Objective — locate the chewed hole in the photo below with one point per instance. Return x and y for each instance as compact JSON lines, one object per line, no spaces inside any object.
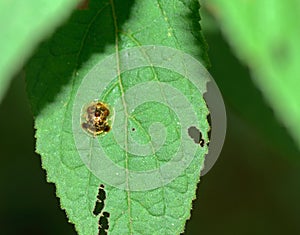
{"x":103,"y":223}
{"x":133,"y":129}
{"x":98,"y":208}
{"x":208,"y":117}
{"x":196,"y":135}
{"x":100,"y":201}
{"x":106,"y":214}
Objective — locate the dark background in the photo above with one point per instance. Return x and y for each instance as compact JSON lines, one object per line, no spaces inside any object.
{"x":253,"y":188}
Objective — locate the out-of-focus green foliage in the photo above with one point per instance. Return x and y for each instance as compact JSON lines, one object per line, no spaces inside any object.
{"x":23,"y":24}
{"x":265,"y":35}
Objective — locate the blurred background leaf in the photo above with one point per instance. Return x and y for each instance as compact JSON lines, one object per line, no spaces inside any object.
{"x":240,"y":92}
{"x":265,"y":35}
{"x":23,"y":24}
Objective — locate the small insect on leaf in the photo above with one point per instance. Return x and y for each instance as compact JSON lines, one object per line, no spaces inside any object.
{"x":95,"y":118}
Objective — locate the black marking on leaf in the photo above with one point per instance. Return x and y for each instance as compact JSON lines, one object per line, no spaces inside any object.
{"x":196,"y":135}
{"x":133,"y":129}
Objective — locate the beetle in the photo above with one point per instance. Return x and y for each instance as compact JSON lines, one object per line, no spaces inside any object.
{"x":95,"y":118}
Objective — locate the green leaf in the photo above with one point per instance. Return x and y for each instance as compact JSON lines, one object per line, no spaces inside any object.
{"x":23,"y":24}
{"x":265,"y":35}
{"x":54,"y":76}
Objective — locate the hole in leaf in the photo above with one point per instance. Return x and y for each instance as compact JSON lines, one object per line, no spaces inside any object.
{"x":106,"y":214}
{"x":196,"y":135}
{"x":101,"y":194}
{"x":103,"y":223}
{"x":98,"y":210}
{"x":100,"y":201}
{"x":208,"y":117}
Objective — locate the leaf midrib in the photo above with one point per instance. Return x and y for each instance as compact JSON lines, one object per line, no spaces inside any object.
{"x":125,"y":110}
